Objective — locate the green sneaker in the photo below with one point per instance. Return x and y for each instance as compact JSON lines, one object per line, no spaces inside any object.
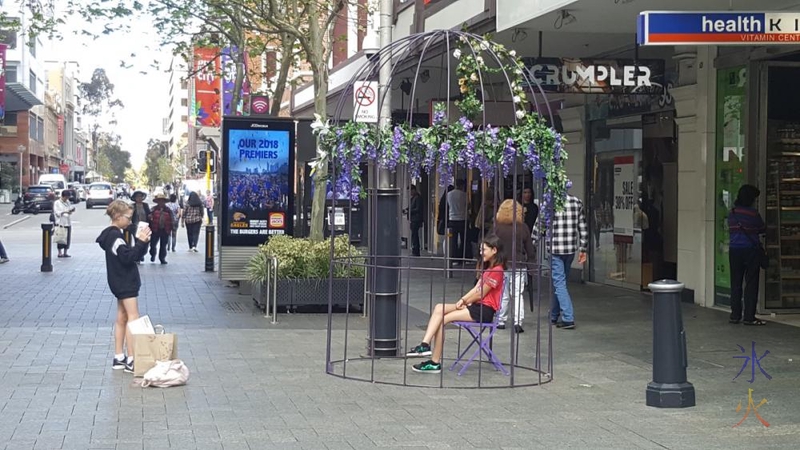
{"x":422,"y":349}
{"x":427,"y":367}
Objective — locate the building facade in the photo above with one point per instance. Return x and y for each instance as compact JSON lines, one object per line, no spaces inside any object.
{"x":709,"y":119}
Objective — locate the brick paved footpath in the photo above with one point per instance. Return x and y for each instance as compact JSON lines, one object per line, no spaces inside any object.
{"x":259,"y":386}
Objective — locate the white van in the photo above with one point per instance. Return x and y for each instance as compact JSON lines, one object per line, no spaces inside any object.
{"x":58,"y":181}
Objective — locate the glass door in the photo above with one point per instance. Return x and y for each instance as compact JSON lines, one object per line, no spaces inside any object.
{"x":615,"y":216}
{"x":780,"y":118}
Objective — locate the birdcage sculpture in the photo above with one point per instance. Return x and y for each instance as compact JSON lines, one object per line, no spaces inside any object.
{"x":479,"y":82}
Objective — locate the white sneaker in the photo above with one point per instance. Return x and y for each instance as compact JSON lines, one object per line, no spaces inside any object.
{"x":4,"y":260}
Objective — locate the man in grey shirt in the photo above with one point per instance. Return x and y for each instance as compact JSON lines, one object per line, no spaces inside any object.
{"x":458,"y":207}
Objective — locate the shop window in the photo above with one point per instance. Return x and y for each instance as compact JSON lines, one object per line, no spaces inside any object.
{"x":11,"y":74}
{"x":40,"y":129}
{"x":730,"y":167}
{"x":32,"y":81}
{"x":10,"y":120}
{"x":32,"y":125}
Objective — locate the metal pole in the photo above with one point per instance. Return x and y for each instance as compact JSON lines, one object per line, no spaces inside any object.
{"x":274,"y":290}
{"x":47,"y":247}
{"x":209,"y":248}
{"x":385,"y":341}
{"x":669,"y":388}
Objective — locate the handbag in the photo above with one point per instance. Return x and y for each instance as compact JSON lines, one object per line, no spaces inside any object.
{"x":763,"y":257}
{"x":60,"y":235}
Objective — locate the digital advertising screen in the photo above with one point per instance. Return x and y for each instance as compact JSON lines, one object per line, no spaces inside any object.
{"x":258,"y":168}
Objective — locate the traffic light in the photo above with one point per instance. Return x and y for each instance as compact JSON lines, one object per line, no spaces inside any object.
{"x":201,"y":161}
{"x":212,"y":159}
{"x":207,"y":159}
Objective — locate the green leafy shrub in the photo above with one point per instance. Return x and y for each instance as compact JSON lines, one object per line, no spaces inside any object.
{"x":300,"y":258}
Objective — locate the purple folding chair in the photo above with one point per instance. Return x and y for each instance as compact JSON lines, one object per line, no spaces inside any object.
{"x":476,"y":330}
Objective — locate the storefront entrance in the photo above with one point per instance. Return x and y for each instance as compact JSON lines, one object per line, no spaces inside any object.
{"x":633,"y":200}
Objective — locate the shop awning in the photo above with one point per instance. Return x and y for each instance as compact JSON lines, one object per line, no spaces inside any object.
{"x":92,"y":174}
{"x":19,"y":98}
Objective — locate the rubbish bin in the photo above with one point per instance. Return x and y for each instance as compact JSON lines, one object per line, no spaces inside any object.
{"x":5,"y":196}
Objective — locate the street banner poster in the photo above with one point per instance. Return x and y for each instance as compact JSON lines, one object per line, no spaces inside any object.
{"x":718,"y":28}
{"x":229,"y":84}
{"x":207,"y":86}
{"x":625,"y":197}
{"x":3,"y":48}
{"x":258,"y":170}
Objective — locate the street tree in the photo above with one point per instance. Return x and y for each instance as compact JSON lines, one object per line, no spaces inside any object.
{"x":97,"y":101}
{"x":308,"y":24}
{"x":152,"y":161}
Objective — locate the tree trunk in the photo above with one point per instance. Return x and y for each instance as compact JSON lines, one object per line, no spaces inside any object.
{"x":287,"y":60}
{"x":320,"y":72}
{"x":239,"y":60}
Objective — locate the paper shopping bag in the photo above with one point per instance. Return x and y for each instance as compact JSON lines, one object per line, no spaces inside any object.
{"x":142,"y":325}
{"x":149,"y":348}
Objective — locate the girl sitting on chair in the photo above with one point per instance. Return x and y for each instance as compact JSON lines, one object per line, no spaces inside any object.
{"x":478,"y":305}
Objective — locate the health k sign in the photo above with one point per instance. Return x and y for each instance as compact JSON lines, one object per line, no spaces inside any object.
{"x":717,"y":28}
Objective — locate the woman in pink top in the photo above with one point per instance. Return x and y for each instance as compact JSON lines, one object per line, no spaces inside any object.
{"x":478,"y":305}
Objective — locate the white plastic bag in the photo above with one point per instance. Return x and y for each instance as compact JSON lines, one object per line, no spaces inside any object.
{"x":142,"y":325}
{"x":167,"y":374}
{"x":60,"y":235}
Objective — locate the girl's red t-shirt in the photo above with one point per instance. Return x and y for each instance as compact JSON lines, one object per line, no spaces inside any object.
{"x":494,"y":279}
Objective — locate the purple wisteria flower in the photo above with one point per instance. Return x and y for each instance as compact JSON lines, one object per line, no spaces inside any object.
{"x":392,"y":157}
{"x":485,"y":167}
{"x":557,"y":147}
{"x":372,"y":152}
{"x":509,"y":152}
{"x":438,"y":117}
{"x":430,"y":158}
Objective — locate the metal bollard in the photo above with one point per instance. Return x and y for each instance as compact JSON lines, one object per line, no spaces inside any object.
{"x":47,"y":247}
{"x":209,"y":248}
{"x":669,"y":388}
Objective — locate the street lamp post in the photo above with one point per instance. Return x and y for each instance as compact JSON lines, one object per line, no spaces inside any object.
{"x":21,"y":149}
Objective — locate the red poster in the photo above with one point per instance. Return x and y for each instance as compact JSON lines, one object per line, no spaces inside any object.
{"x":2,"y":80}
{"x":207,"y":87}
{"x":60,"y":129}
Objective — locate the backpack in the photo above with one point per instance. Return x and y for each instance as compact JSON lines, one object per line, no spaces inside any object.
{"x":166,"y":374}
{"x":160,"y":220}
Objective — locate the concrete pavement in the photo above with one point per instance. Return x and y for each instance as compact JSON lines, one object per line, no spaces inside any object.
{"x":260,"y":386}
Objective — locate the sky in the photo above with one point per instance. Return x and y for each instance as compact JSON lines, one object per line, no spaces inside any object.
{"x":143,"y":94}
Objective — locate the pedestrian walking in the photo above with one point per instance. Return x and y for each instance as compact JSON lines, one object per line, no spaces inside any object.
{"x":458,"y":208}
{"x":123,"y":276}
{"x":177,"y":212}
{"x":531,"y":214}
{"x":415,"y":219}
{"x":744,"y":254}
{"x":3,"y":255}
{"x":208,"y":202}
{"x":515,"y":235}
{"x":567,"y":235}
{"x":161,"y":220}
{"x":62,"y":212}
{"x":193,"y":220}
{"x":141,"y":211}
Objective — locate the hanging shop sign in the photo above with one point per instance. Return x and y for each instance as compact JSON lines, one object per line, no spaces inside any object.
{"x":717,"y":28}
{"x":625,"y":195}
{"x":258,"y":170}
{"x":595,"y":76}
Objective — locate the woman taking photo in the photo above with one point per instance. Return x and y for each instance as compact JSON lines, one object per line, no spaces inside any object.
{"x":745,"y":252}
{"x":193,"y":219}
{"x":478,"y":305}
{"x":62,"y":211}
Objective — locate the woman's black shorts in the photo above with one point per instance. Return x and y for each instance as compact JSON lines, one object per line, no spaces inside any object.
{"x":481,"y":313}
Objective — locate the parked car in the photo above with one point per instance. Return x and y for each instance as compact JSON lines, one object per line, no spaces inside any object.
{"x":100,"y":194}
{"x":43,"y":195}
{"x":80,"y":195}
{"x":59,"y":184}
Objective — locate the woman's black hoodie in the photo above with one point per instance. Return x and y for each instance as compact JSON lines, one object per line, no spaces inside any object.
{"x":121,"y":259}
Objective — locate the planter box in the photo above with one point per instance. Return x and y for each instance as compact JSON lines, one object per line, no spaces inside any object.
{"x":293,"y":293}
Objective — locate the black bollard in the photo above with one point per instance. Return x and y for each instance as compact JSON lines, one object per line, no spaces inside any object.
{"x":126,"y":234}
{"x":669,"y":388}
{"x":47,"y":247}
{"x":209,"y":248}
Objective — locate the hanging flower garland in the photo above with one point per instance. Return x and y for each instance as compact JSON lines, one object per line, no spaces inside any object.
{"x":448,"y":143}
